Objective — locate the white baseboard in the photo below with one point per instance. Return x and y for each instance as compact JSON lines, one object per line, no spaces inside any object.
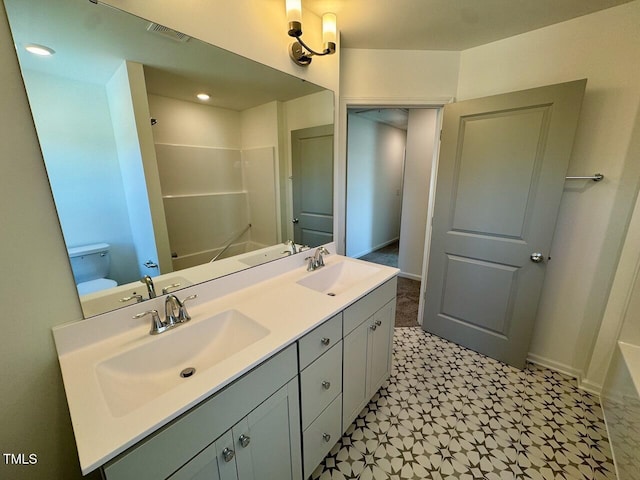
{"x":555,"y":366}
{"x":589,"y":386}
{"x":374,"y":248}
{"x":410,"y":276}
{"x":585,"y":385}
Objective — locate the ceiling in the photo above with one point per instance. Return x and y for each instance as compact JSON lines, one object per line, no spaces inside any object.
{"x":91,"y":42}
{"x":445,"y":24}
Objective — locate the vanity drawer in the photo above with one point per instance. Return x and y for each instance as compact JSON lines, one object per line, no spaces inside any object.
{"x":320,"y":340}
{"x":321,"y":436}
{"x":358,"y":312}
{"x":320,"y":383}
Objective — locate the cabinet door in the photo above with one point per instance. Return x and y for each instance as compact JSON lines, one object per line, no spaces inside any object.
{"x":354,"y":371}
{"x":381,"y":345}
{"x":267,"y":441}
{"x":216,"y":462}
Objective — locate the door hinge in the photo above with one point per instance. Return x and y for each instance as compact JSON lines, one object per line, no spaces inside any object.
{"x":440,"y":134}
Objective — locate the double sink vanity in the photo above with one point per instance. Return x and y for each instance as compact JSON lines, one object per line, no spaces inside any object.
{"x":274,"y":365}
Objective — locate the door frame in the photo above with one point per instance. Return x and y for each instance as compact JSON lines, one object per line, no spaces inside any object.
{"x":340,"y":184}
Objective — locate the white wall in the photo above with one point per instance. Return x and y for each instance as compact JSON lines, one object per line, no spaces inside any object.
{"x":602,"y":47}
{"x":421,"y":138}
{"x":376,"y":157}
{"x":189,"y":123}
{"x":406,"y":74}
{"x":77,"y":138}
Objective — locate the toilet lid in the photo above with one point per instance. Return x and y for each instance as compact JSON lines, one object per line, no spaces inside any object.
{"x":96,"y":285}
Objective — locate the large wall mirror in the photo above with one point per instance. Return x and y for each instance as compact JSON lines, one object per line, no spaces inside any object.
{"x":150,"y":180}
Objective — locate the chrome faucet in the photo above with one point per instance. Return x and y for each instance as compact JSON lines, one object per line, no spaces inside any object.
{"x":157,"y":325}
{"x":175,"y":312}
{"x":291,"y":247}
{"x":151,"y":290}
{"x":317,"y":260}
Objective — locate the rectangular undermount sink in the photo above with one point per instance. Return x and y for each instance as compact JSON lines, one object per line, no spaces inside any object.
{"x":335,"y":279}
{"x":138,"y":376}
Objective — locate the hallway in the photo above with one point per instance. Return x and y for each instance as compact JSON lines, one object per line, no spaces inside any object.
{"x":408,"y":289}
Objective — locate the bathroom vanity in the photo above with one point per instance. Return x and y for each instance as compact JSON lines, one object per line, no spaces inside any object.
{"x":284,"y":360}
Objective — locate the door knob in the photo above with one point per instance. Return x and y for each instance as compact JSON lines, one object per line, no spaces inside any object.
{"x":537,"y":257}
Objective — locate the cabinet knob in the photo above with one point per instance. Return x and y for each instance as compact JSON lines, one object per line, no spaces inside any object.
{"x":326,"y":437}
{"x":228,"y":454}
{"x":325,"y":341}
{"x":326,"y":385}
{"x":373,"y":327}
{"x":378,"y":322}
{"x":244,"y":440}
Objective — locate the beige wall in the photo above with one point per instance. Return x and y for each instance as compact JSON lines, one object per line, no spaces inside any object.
{"x":36,"y":289}
{"x":602,"y":47}
{"x":421,"y":143}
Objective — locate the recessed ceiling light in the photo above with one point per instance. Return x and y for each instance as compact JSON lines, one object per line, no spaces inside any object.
{"x":39,"y":50}
{"x":203,"y":96}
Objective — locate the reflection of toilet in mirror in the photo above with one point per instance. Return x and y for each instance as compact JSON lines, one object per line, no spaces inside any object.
{"x":90,"y":265}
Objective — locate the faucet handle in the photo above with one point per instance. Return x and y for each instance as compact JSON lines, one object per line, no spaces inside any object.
{"x":311,"y":265}
{"x":183,"y":315}
{"x":157,"y":325}
{"x":138,"y":298}
{"x":166,"y":289}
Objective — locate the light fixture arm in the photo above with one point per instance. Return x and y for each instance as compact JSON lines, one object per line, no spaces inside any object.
{"x":300,"y":52}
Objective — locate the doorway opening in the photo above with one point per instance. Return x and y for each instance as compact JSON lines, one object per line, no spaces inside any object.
{"x":390,"y":158}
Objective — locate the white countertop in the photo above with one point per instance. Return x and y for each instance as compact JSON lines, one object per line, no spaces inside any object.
{"x":267,"y":294}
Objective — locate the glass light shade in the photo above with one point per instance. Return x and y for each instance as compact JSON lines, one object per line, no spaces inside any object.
{"x":329,"y":28}
{"x":294,"y":10}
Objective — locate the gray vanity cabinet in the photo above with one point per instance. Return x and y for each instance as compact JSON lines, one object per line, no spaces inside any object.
{"x":256,"y":448}
{"x":209,"y":464}
{"x":368,"y":343}
{"x":249,"y":430}
{"x":320,"y":360}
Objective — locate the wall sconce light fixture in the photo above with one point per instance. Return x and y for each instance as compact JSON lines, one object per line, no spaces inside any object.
{"x":299,"y":51}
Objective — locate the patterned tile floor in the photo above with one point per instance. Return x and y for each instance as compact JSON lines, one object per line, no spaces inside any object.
{"x":450,"y":413}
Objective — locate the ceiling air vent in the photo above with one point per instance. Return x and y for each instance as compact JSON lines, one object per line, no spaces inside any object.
{"x":168,"y":32}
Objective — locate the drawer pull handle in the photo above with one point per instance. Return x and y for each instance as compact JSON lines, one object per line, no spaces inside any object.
{"x":325,"y":341}
{"x":378,"y":322}
{"x":244,"y":440}
{"x":373,"y":327}
{"x":326,"y":385}
{"x":326,"y":437}
{"x":228,"y":454}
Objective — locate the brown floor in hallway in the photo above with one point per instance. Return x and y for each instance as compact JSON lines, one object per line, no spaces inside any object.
{"x":408,"y":290}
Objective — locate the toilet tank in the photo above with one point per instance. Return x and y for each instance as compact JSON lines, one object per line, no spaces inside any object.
{"x":89,"y":262}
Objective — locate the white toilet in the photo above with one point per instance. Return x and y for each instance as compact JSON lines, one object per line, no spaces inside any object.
{"x":90,"y":265}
